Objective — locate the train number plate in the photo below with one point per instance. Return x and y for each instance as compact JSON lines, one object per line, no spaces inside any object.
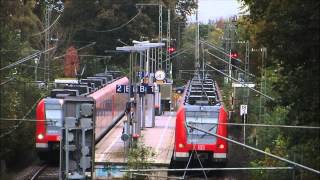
{"x":201,"y":147}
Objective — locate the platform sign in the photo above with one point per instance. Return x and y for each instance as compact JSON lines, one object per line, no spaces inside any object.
{"x":151,"y":89}
{"x":243,"y":109}
{"x":141,"y":89}
{"x":124,"y":89}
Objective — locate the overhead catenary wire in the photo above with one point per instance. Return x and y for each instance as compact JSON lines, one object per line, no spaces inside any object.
{"x":27,"y":58}
{"x":47,"y":29}
{"x":7,"y":81}
{"x":15,"y":127}
{"x":243,"y":83}
{"x":269,"y":125}
{"x":220,"y":50}
{"x":230,"y":64}
{"x":79,"y":49}
{"x":207,"y":169}
{"x":116,"y":28}
{"x":228,"y":124}
{"x":25,"y":120}
{"x":155,"y":176}
{"x":258,"y":150}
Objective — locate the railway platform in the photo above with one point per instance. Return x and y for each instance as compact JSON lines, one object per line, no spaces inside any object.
{"x":110,"y":154}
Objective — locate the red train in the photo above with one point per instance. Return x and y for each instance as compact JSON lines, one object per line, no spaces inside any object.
{"x":200,"y":107}
{"x":110,"y":108}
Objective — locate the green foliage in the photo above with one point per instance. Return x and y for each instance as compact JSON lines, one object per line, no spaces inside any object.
{"x":290,"y":31}
{"x":280,"y":149}
{"x":140,"y":156}
{"x":17,"y":93}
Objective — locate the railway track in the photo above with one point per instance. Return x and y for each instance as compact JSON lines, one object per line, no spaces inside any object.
{"x":39,"y":172}
{"x":46,"y":172}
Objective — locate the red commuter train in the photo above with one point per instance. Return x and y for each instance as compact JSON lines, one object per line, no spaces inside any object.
{"x":201,"y":107}
{"x":110,"y":108}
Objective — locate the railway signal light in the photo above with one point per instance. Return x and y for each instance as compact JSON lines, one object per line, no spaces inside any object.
{"x":234,"y":55}
{"x":171,"y":50}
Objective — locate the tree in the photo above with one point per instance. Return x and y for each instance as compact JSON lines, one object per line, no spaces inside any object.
{"x":290,"y":31}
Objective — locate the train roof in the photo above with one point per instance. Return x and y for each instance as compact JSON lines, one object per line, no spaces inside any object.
{"x":201,"y":92}
{"x":82,"y":87}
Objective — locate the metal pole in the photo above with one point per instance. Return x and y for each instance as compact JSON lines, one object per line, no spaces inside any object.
{"x":229,"y":65}
{"x":167,"y":63}
{"x":160,"y":35}
{"x":197,"y":39}
{"x":244,"y":128}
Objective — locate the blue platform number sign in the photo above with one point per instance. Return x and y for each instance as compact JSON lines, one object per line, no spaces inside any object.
{"x":141,"y":89}
{"x":150,"y":89}
{"x":122,"y":89}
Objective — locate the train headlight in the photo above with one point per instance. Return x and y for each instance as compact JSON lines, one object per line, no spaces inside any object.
{"x":221,"y":146}
{"x":181,"y":145}
{"x":61,"y":102}
{"x":40,"y":136}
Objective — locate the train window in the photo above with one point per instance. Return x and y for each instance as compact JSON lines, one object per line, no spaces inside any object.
{"x":206,"y":120}
{"x":54,"y":115}
{"x":202,"y":114}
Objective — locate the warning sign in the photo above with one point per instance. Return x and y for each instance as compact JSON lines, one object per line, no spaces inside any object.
{"x":243,"y":109}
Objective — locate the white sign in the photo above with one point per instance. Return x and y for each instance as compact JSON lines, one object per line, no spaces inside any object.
{"x":238,"y":85}
{"x":243,"y":109}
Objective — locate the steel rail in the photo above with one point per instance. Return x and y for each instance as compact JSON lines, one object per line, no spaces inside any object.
{"x":36,"y":175}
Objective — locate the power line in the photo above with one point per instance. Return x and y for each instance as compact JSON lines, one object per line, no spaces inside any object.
{"x":25,"y":120}
{"x":257,"y":150}
{"x":230,"y":64}
{"x":15,"y":127}
{"x":9,"y":80}
{"x":244,"y":84}
{"x":222,"y":51}
{"x":37,"y":54}
{"x":55,"y":21}
{"x":209,"y":169}
{"x":116,"y":28}
{"x":269,"y":125}
{"x":155,"y":176}
{"x":79,"y":49}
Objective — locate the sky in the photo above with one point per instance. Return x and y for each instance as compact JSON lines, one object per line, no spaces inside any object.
{"x":215,"y":9}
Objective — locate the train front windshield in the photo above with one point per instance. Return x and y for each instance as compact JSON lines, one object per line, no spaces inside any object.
{"x":206,"y":120}
{"x":54,"y":118}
